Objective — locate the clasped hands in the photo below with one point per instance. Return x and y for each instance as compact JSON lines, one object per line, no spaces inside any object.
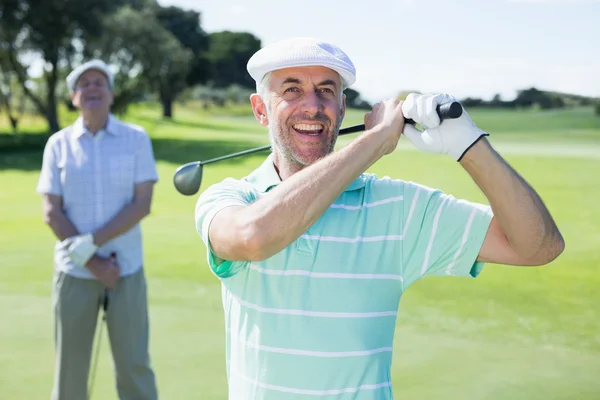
{"x":82,"y":251}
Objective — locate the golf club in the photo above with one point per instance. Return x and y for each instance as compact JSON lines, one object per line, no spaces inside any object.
{"x":188,"y":177}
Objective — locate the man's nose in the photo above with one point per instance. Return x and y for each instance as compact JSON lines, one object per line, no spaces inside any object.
{"x":311,"y":103}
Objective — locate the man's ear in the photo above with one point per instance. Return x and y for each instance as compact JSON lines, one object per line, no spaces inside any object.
{"x":74,"y":100}
{"x":343,"y":107}
{"x":260,"y":109}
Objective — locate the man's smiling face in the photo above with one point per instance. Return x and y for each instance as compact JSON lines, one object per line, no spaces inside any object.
{"x":305,"y":110}
{"x":93,"y":92}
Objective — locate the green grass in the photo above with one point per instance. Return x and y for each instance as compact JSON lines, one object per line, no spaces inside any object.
{"x":513,"y":333}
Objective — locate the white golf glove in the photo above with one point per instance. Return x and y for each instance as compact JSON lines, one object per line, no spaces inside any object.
{"x":80,"y":248}
{"x":453,"y":137}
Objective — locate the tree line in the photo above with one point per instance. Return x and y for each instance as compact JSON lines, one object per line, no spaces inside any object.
{"x":156,"y":52}
{"x":532,"y":97}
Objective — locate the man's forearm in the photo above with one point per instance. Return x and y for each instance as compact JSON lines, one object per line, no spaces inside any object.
{"x":524,"y":219}
{"x":127,"y":218}
{"x":60,"y":224}
{"x":286,"y":212}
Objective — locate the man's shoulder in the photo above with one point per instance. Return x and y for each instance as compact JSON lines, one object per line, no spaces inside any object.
{"x":377,"y":182}
{"x":232,"y":185}
{"x":128,"y":127}
{"x":250,"y":182}
{"x":59,"y":136}
{"x":385,"y":187}
{"x":373,"y":181}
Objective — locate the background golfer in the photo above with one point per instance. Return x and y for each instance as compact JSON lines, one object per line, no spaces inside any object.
{"x":97,"y":181}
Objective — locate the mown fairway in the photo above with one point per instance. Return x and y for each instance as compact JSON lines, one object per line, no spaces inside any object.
{"x":513,"y":333}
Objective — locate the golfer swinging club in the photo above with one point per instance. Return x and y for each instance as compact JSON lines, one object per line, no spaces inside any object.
{"x":314,"y":254}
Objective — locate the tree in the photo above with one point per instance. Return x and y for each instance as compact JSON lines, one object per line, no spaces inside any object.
{"x":470,"y":102}
{"x":185,"y":26}
{"x":12,"y":101}
{"x":51,"y":30}
{"x":228,"y":55}
{"x":147,"y":56}
{"x":351,"y":96}
{"x":353,"y":100}
{"x":496,"y":101}
{"x":533,"y":96}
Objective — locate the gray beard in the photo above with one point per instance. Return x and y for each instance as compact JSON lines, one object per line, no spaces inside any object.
{"x":286,"y":151}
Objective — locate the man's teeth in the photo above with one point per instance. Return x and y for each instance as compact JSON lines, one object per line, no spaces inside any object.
{"x":309,"y":129}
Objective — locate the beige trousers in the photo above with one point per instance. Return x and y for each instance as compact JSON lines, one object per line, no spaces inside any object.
{"x":76,"y":305}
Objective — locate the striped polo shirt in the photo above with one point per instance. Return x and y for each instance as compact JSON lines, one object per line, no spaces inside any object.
{"x":317,"y":319}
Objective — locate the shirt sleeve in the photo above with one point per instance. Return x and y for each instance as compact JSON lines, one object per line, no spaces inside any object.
{"x":49,"y":180}
{"x":228,"y":193}
{"x":443,"y":235}
{"x":145,"y":164}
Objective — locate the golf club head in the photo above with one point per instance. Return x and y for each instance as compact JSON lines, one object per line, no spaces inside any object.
{"x":188,"y":177}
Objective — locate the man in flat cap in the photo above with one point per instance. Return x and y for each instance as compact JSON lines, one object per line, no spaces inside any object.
{"x":97,"y":181}
{"x":314,"y":254}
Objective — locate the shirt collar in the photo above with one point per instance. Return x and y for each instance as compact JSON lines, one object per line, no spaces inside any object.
{"x":266,"y":177}
{"x":79,"y":128}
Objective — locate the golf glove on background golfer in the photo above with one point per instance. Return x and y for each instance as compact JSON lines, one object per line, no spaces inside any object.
{"x":80,"y":248}
{"x":453,"y":137}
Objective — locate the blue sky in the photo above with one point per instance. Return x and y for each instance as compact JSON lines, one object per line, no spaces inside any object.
{"x":464,"y":47}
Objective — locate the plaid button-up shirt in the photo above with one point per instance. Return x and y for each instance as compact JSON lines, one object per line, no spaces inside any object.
{"x":96,"y":176}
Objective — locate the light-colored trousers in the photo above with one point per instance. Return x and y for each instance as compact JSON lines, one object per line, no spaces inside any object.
{"x":76,"y":305}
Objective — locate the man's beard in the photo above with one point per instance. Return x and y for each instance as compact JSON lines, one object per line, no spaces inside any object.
{"x":281,"y":139}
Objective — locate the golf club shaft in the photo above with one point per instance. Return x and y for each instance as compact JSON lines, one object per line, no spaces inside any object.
{"x":92,"y":376}
{"x":105,"y":302}
{"x":445,"y":111}
{"x":343,"y":131}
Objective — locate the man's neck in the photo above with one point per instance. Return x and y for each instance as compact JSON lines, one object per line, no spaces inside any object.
{"x":93,"y":122}
{"x":284,"y":168}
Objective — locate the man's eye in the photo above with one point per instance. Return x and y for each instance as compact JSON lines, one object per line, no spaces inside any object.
{"x":292,"y":89}
{"x":326,"y":90}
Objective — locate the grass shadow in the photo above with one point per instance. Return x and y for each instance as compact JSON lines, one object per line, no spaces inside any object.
{"x":181,"y":151}
{"x":175,"y":151}
{"x":22,"y":151}
{"x":25,"y":151}
{"x":25,"y":160}
{"x":205,"y":125}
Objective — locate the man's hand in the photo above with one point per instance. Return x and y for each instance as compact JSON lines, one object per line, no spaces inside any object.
{"x":388,"y":116}
{"x":80,"y":248}
{"x":105,"y":270}
{"x":453,"y":137}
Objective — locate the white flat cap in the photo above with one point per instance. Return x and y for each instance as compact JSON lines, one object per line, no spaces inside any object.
{"x":301,"y":52}
{"x":98,"y":65}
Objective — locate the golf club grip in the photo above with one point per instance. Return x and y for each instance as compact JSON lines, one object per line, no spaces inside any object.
{"x":445,"y":111}
{"x":113,"y":257}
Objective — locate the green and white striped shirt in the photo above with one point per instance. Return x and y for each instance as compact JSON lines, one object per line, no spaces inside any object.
{"x":317,"y":319}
